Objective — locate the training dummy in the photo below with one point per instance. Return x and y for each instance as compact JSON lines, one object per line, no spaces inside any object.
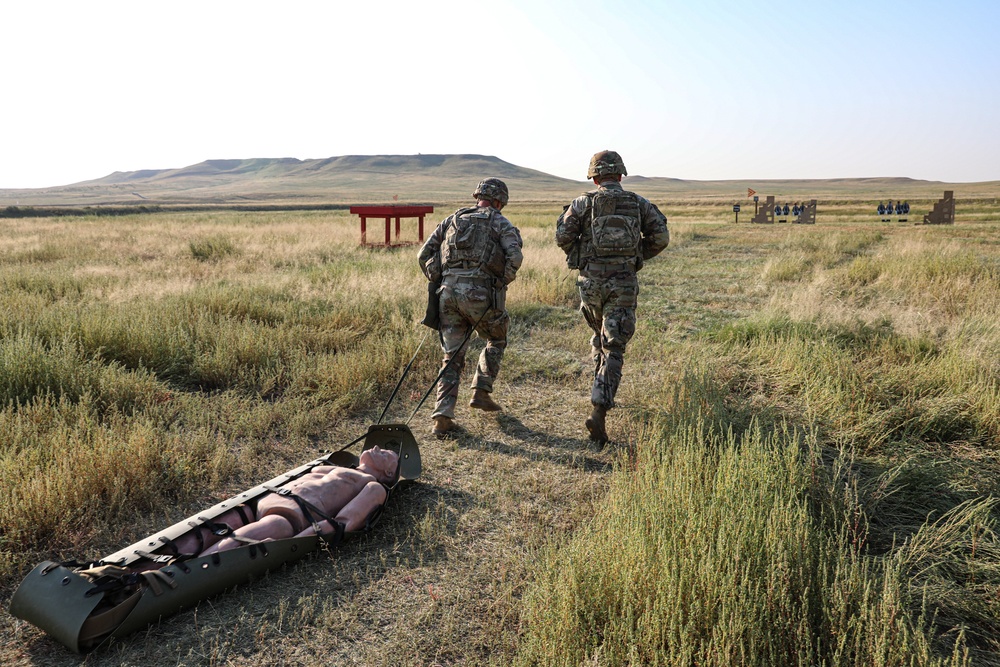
{"x":346,"y":495}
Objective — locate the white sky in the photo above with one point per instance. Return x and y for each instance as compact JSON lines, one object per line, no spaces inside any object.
{"x":693,"y":89}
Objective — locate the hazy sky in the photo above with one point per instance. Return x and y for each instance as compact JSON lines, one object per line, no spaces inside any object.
{"x":693,"y":89}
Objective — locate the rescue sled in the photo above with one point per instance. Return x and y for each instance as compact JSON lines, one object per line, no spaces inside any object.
{"x":82,"y":605}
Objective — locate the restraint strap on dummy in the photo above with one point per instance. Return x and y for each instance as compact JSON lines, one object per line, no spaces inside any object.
{"x":175,"y":555}
{"x":249,"y":541}
{"x":310,"y":512}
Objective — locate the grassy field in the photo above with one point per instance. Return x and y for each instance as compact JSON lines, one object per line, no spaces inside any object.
{"x":804,"y":467}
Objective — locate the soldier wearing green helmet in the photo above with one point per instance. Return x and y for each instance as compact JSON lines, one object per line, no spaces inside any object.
{"x":474,"y":254}
{"x":607,"y":235}
{"x":606,"y":163}
{"x":490,"y":189}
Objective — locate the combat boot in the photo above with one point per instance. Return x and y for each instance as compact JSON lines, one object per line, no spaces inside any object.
{"x":443,"y":426}
{"x":482,"y":401}
{"x":595,"y":424}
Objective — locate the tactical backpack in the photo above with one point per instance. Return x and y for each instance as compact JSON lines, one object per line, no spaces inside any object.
{"x":614,"y":223}
{"x":472,"y":240}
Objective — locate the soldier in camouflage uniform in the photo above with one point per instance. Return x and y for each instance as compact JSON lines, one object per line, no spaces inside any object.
{"x":607,"y":234}
{"x":475,"y":253}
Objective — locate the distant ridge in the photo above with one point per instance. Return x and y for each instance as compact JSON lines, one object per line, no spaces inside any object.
{"x":425,"y":178}
{"x":280,"y":168}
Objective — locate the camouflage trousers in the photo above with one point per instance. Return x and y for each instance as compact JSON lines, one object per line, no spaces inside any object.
{"x":462,"y":306}
{"x":608,"y":299}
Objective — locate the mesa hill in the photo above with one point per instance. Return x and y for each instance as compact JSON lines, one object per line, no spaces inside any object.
{"x":434,"y":179}
{"x":347,"y":179}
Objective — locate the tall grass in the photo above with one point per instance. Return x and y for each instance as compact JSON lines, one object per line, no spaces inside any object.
{"x":77,"y":476}
{"x":718,"y":550}
{"x":802,"y":252}
{"x":869,"y":385}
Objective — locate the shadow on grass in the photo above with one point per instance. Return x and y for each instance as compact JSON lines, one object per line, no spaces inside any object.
{"x":571,"y":452}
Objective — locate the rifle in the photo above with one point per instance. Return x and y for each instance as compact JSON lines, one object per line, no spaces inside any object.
{"x":432,"y":315}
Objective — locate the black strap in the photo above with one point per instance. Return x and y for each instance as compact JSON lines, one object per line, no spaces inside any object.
{"x":156,"y":558}
{"x":243,"y":509}
{"x":374,"y":515}
{"x":219,"y":529}
{"x":172,"y":546}
{"x":336,"y":537}
{"x":402,"y":377}
{"x":308,"y":509}
{"x":352,"y":442}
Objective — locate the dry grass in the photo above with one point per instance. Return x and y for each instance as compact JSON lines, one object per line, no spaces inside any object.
{"x":213,"y":370}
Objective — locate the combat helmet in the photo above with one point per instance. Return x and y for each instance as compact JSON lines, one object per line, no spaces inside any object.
{"x":606,"y":163}
{"x":492,"y":188}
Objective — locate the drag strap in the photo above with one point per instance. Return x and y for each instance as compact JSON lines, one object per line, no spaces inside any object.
{"x":444,"y":369}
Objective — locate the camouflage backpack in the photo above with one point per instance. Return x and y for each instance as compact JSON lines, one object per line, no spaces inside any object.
{"x":614,"y":224}
{"x":472,"y":240}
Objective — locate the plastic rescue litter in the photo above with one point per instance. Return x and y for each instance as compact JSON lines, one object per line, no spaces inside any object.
{"x":82,"y":605}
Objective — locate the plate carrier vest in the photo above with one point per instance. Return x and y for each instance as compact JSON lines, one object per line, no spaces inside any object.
{"x":615,"y":230}
{"x":472,"y":241}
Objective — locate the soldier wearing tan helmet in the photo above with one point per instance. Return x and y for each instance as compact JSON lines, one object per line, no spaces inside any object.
{"x":474,"y":253}
{"x":607,"y":234}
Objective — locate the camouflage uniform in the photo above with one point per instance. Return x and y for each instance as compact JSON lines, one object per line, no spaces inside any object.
{"x":471,"y":292}
{"x":608,"y":284}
